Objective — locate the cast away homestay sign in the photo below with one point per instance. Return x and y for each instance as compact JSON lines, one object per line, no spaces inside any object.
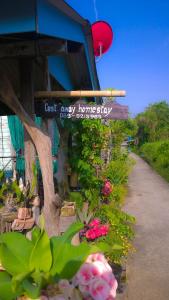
{"x":110,"y":110}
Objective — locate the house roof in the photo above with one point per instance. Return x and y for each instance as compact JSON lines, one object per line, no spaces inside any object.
{"x":69,"y":11}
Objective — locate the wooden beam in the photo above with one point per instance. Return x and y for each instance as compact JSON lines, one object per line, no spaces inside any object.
{"x":79,"y":94}
{"x":39,"y":47}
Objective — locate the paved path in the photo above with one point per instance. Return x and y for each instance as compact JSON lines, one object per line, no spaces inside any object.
{"x":148,"y":268}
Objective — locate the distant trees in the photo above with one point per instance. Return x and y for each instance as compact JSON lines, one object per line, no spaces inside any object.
{"x":153,"y":123}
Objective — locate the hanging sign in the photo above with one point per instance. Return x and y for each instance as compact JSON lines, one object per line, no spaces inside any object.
{"x":110,"y":110}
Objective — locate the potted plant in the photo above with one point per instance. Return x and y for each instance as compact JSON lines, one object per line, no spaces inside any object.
{"x":43,"y":267}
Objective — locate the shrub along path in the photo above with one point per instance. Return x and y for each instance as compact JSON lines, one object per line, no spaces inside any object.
{"x":148,"y":268}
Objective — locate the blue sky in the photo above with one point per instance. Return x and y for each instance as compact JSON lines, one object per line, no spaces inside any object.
{"x":138,"y":60}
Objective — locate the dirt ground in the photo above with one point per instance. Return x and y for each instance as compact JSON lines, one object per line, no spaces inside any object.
{"x":148,"y":268}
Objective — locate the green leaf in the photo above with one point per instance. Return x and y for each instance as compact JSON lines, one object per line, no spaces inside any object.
{"x":117,"y":247}
{"x":32,"y":290}
{"x":58,"y":243}
{"x":36,"y":232}
{"x":6,"y":292}
{"x":41,"y":256}
{"x":17,"y":281}
{"x":15,"y":251}
{"x":67,"y":258}
{"x":16,"y":189}
{"x":71,"y":231}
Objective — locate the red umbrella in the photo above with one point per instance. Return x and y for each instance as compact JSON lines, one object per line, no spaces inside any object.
{"x":102,"y":37}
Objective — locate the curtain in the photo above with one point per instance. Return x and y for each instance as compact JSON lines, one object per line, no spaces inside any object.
{"x":17,"y":138}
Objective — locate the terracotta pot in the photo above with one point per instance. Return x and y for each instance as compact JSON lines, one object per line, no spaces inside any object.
{"x":24,"y":213}
{"x":68,"y":209}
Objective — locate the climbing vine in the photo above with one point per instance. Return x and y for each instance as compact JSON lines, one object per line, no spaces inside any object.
{"x":103,"y":169}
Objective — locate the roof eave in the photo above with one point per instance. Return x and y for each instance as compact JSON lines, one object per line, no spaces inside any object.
{"x":69,"y":11}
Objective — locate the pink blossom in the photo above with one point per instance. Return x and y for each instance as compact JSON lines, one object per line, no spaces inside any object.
{"x":104,"y":229}
{"x":100,"y":268}
{"x":94,"y":222}
{"x":99,"y":289}
{"x":84,"y":289}
{"x":107,"y":188}
{"x":64,"y":284}
{"x":113,"y":284}
{"x":96,"y":279}
{"x":90,"y":234}
{"x":110,"y":298}
{"x":110,"y":278}
{"x":96,"y":256}
{"x":84,"y":275}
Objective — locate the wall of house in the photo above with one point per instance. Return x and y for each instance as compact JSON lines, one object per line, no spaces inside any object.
{"x":6,"y":149}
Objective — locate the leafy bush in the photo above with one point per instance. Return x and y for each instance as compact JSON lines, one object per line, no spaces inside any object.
{"x":157,"y":154}
{"x":153,"y":123}
{"x":120,"y":232}
{"x":90,"y":138}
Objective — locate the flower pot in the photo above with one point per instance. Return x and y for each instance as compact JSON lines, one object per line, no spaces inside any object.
{"x":68,"y":209}
{"x":24,"y":213}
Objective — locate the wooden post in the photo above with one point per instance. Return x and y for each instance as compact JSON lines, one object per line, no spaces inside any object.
{"x":27,"y":100}
{"x":61,"y":175}
{"x":43,"y":146}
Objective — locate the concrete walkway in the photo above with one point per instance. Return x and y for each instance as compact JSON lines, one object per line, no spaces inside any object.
{"x":148,"y":268}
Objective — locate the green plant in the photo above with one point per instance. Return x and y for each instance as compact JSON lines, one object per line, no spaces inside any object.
{"x":157,"y":155}
{"x":10,"y":190}
{"x":90,"y":138}
{"x":120,"y":233}
{"x":31,"y":265}
{"x":84,"y":215}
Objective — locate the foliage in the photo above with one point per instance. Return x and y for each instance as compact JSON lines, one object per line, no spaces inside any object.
{"x":120,"y":231}
{"x":31,"y":265}
{"x":11,"y":190}
{"x":153,"y":123}
{"x":157,"y":154}
{"x":90,"y":138}
{"x":84,"y":215}
{"x":153,"y":136}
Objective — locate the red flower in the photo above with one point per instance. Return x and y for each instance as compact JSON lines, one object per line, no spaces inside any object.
{"x":107,"y":188}
{"x":94,"y":222}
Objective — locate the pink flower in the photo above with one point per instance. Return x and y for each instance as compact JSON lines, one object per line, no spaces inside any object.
{"x":107,"y":188}
{"x":94,"y":222}
{"x":84,"y":275}
{"x":110,"y":298}
{"x":104,"y":229}
{"x":84,"y":289}
{"x":100,"y":268}
{"x":90,"y":234}
{"x":96,"y":256}
{"x":99,"y":289}
{"x":96,"y":279}
{"x":113,"y":284}
{"x":64,"y":284}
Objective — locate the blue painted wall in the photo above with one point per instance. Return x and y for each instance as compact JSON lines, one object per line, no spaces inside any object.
{"x":17,"y":16}
{"x":58,"y":68}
